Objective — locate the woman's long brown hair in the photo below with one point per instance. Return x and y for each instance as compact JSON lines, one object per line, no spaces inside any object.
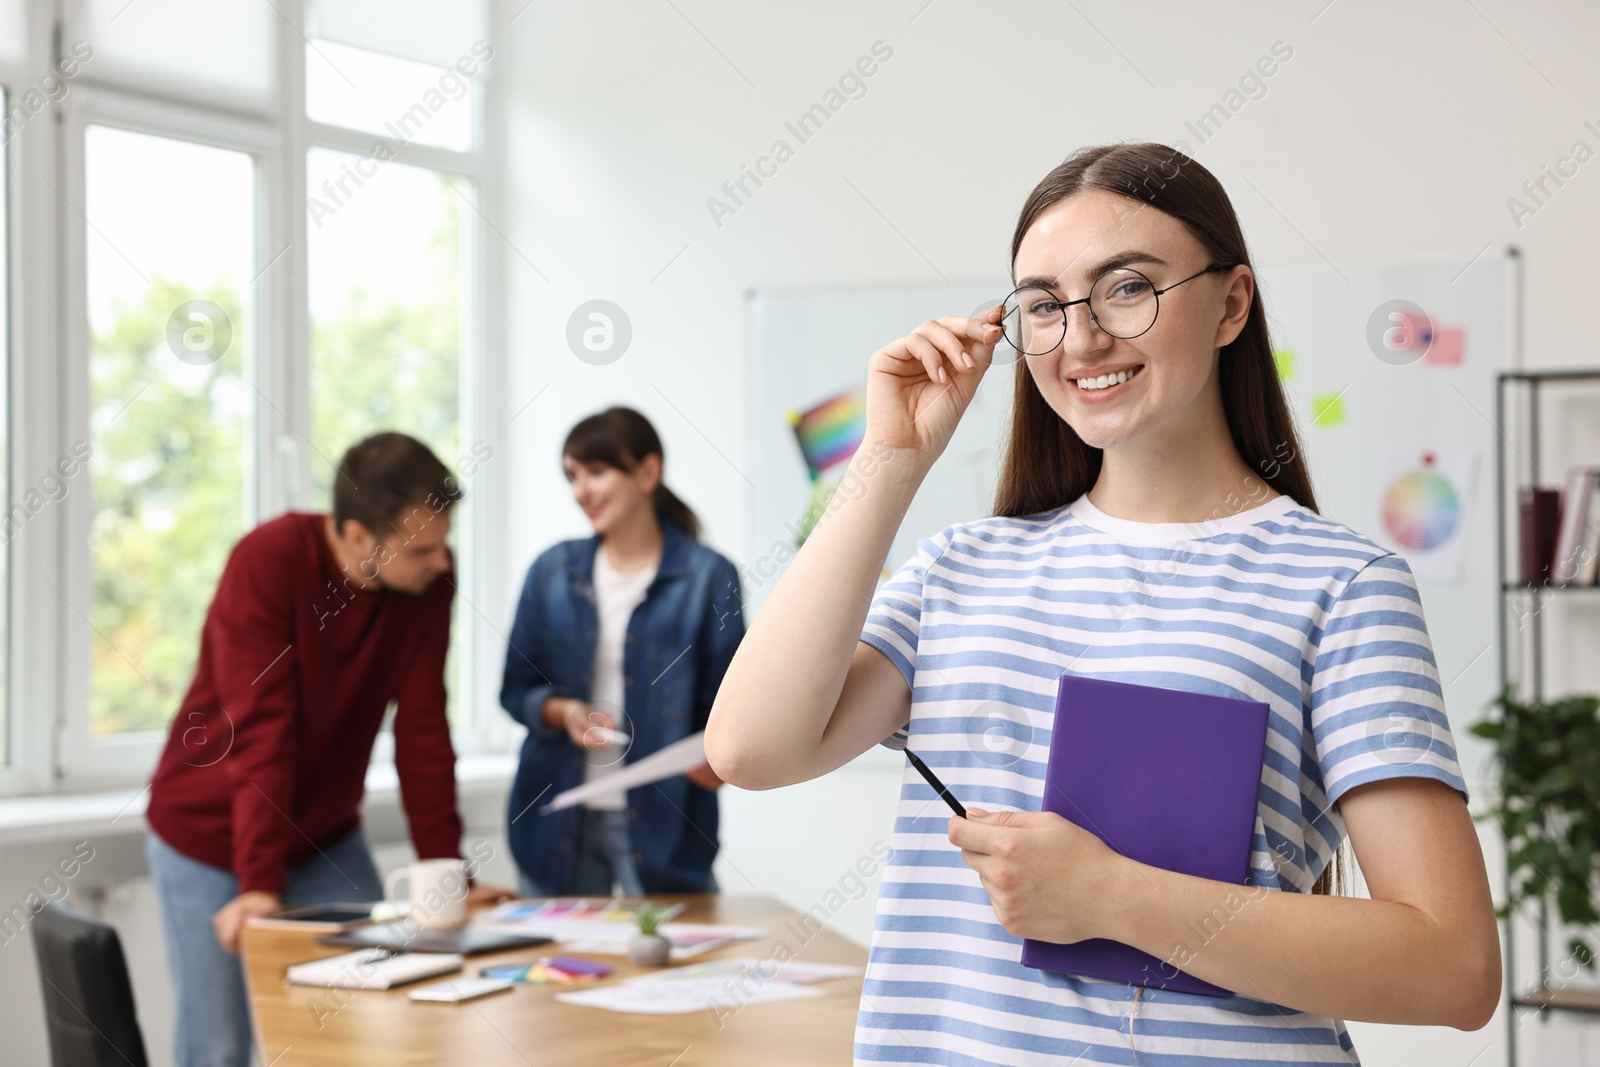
{"x":1047,"y":465}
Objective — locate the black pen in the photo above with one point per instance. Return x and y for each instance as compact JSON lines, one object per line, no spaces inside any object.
{"x":938,"y":786}
{"x":899,"y":741}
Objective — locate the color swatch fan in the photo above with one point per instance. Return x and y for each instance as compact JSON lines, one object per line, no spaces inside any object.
{"x":830,"y":432}
{"x":829,"y":435}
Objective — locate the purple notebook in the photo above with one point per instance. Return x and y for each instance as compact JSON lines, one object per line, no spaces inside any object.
{"x":1165,"y":777}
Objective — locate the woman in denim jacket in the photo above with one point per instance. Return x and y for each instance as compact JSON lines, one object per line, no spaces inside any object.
{"x":628,"y":630}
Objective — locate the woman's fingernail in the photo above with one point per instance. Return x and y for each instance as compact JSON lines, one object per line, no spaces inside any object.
{"x":975,"y":813}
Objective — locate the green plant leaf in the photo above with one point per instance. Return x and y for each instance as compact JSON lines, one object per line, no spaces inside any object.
{"x":1574,"y":905}
{"x":1554,"y":781}
{"x":1547,"y":803}
{"x":648,"y":917}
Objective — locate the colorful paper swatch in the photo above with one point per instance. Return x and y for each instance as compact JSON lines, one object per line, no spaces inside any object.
{"x":550,"y":970}
{"x":830,"y":432}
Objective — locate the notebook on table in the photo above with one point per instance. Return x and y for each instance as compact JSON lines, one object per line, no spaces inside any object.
{"x":401,"y":936}
{"x":372,"y":968}
{"x":1166,"y":777}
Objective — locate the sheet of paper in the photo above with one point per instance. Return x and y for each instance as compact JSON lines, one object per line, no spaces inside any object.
{"x":566,"y":918}
{"x":708,"y":993}
{"x":582,"y":926}
{"x":688,"y":939}
{"x":798,"y":972}
{"x":683,"y":947}
{"x":619,"y":948}
{"x":676,"y":758}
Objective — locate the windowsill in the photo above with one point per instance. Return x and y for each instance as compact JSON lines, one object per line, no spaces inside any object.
{"x":52,"y":816}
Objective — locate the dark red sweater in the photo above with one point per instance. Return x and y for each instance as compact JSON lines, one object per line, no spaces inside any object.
{"x":267,"y":758}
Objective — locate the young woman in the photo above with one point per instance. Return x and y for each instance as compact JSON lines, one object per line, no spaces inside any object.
{"x":1154,"y":524}
{"x":617,"y":649}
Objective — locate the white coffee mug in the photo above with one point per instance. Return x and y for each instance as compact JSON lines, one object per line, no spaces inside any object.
{"x":438,"y":895}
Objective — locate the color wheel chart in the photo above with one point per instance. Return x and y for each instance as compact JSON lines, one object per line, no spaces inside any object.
{"x":1421,"y":508}
{"x":1425,"y":504}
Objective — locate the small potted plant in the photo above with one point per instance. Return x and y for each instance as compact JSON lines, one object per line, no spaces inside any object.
{"x":649,"y":947}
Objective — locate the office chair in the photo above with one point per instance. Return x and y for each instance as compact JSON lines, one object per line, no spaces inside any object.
{"x":88,"y":1002}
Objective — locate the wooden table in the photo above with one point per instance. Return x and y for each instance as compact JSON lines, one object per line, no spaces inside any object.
{"x":527,"y":1026}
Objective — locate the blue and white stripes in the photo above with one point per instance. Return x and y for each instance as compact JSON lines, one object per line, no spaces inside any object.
{"x":1276,"y":604}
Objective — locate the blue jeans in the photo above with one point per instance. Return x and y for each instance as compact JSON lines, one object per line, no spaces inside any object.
{"x":213,"y":1015}
{"x":605,"y":857}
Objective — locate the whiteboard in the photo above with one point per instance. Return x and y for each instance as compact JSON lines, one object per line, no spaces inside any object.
{"x":808,"y":345}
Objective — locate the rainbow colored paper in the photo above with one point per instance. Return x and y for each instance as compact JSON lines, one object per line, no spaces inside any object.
{"x":550,"y":970}
{"x":830,"y":432}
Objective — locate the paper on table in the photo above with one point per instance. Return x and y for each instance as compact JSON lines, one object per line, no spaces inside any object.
{"x":797,"y":972}
{"x":689,"y":994}
{"x":676,"y":758}
{"x":716,"y":984}
{"x":564,"y":919}
{"x":688,"y":939}
{"x":582,"y":927}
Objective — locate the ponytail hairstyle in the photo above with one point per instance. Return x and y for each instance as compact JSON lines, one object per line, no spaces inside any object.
{"x":620,"y":437}
{"x":1047,"y":465}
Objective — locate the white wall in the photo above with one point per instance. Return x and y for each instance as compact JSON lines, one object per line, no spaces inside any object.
{"x":1392,"y":130}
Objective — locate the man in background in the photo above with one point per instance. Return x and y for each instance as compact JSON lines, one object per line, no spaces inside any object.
{"x":318,"y":622}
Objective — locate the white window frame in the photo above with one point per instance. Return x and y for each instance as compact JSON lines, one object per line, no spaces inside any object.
{"x":481,"y":733}
{"x":9,"y":724}
{"x":34,"y":669}
{"x":51,"y":747}
{"x":87,"y":762}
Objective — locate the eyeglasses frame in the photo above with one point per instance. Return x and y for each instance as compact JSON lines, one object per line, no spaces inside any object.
{"x":1094,"y":319}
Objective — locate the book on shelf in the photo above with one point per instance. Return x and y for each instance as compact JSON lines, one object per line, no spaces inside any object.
{"x":1537,"y":510}
{"x":1589,"y":555}
{"x":1576,"y":554}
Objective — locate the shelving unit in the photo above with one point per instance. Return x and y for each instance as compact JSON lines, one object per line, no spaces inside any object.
{"x":1543,"y":998}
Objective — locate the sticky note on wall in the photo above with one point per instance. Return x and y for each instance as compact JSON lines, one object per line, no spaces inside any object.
{"x":1439,"y":345}
{"x":1327,"y":409}
{"x":1447,"y":346}
{"x":1284,"y":358}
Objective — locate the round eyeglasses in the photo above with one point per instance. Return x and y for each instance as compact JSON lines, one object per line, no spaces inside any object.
{"x":1123,"y":302}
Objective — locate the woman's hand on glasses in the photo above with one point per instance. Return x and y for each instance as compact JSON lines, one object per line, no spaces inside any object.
{"x":919,"y":386}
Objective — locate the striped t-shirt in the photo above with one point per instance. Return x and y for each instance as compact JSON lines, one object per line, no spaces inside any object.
{"x":1274,"y":603}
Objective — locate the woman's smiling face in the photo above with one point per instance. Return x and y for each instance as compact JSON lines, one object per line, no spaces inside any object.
{"x":1173,"y":364}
